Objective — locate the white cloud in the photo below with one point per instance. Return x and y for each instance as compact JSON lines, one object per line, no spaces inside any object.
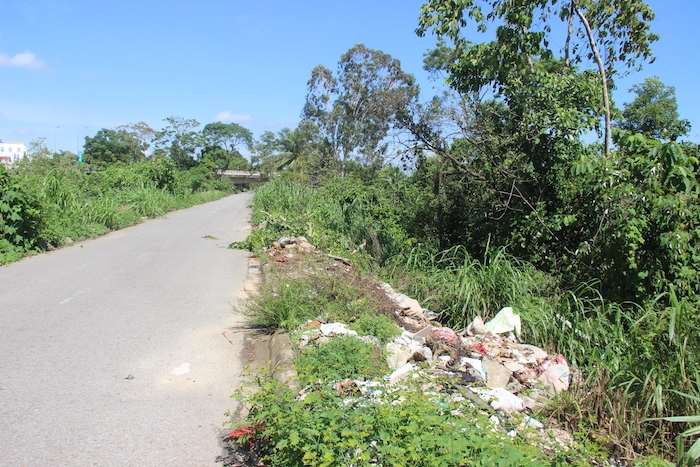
{"x":24,"y":60}
{"x":227,"y":116}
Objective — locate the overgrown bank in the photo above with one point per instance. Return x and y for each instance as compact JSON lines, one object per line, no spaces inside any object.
{"x":48,"y":201}
{"x":632,"y":357}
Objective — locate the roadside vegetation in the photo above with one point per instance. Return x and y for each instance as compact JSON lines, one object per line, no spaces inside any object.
{"x":47,"y":199}
{"x":502,"y":201}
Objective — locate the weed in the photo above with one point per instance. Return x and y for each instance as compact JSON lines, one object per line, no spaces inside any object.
{"x":340,"y":358}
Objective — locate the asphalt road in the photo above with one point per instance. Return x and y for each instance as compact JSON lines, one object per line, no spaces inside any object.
{"x":111,"y":350}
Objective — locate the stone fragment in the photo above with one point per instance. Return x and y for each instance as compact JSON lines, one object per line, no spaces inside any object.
{"x":476,"y":327}
{"x":514,"y":366}
{"x":284,"y":241}
{"x":397,"y":355}
{"x":424,"y":354}
{"x":500,"y":399}
{"x":423,"y":333}
{"x":497,"y":375}
{"x":336,"y":329}
{"x":476,"y":364}
{"x":306,"y":246}
{"x":534,"y":352}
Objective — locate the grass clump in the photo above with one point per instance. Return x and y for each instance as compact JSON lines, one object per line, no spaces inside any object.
{"x":380,"y":326}
{"x":461,"y":287}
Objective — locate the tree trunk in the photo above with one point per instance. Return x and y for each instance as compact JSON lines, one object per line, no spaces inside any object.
{"x":569,"y":32}
{"x":604,"y":77}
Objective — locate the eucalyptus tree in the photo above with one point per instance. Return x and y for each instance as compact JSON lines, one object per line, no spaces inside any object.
{"x":612,"y":34}
{"x":355,"y":109}
{"x":142,"y":135}
{"x":179,"y":140}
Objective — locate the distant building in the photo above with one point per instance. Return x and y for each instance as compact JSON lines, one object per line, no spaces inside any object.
{"x":11,"y":153}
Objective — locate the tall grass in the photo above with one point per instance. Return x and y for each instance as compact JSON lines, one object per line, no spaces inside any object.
{"x":75,"y":204}
{"x":633,"y":359}
{"x":338,"y":218}
{"x":460,"y":287}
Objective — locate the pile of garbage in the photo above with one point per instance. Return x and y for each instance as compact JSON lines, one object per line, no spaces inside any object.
{"x":286,"y":248}
{"x":487,"y":359}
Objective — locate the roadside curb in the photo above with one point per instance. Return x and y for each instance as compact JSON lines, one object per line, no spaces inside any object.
{"x":274,"y":353}
{"x":281,"y":359}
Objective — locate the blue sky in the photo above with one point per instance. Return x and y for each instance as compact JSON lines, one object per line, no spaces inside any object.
{"x":71,"y":67}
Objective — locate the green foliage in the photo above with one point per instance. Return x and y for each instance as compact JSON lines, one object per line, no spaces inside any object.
{"x":222,"y":141}
{"x":20,"y":218}
{"x":608,"y":34}
{"x":339,"y":359}
{"x":178,"y":141}
{"x":654,"y":112}
{"x":345,"y":215}
{"x":461,"y":287}
{"x":112,"y":146}
{"x":45,"y":200}
{"x":406,"y":428}
{"x":379,"y":326}
{"x":288,"y":301}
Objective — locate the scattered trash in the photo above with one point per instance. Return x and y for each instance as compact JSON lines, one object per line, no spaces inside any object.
{"x":500,"y":399}
{"x":504,"y":321}
{"x":182,"y":369}
{"x":336,"y":329}
{"x":495,"y":370}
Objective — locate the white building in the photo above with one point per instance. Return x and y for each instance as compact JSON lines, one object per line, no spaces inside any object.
{"x":11,"y":153}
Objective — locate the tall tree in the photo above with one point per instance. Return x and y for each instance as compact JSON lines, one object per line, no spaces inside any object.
{"x":608,"y":33}
{"x":113,"y":146}
{"x":355,"y":110}
{"x":229,"y":136}
{"x":38,"y":148}
{"x":142,"y":135}
{"x":179,"y":141}
{"x":654,"y":112}
{"x":222,"y":142}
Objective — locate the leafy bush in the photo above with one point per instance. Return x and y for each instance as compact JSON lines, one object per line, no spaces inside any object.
{"x":20,"y":218}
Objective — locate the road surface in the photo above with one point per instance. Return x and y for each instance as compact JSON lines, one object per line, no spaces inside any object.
{"x":112,"y":351}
